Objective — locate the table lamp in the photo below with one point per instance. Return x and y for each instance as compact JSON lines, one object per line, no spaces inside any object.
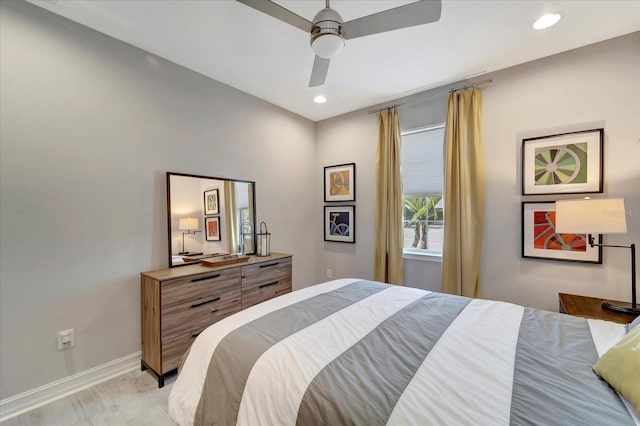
{"x":599,"y":216}
{"x":189,"y":224}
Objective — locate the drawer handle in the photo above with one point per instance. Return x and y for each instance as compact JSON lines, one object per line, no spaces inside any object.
{"x":269,"y":284}
{"x":205,"y":301}
{"x":268,"y":265}
{"x":213,"y":311}
{"x":195,"y":280}
{"x":196,"y":333}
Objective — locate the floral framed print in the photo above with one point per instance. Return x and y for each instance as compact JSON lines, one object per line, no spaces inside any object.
{"x":212,"y":228}
{"x":340,"y":224}
{"x":340,"y":182}
{"x":540,"y":240}
{"x":568,"y":163}
{"x":211,"y":202}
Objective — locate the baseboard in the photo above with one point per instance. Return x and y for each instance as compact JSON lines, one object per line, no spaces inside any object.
{"x":34,"y":398}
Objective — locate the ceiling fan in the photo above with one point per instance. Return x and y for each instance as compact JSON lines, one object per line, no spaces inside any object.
{"x":329,"y":32}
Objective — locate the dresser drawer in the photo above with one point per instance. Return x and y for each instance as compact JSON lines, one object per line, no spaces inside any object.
{"x":188,"y":317}
{"x":185,"y":290}
{"x":174,"y":349}
{"x":260,"y":273}
{"x":265,"y":291}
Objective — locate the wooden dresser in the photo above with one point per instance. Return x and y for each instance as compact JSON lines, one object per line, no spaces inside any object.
{"x":177,"y":304}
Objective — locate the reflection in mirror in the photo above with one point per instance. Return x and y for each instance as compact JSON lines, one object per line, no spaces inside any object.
{"x":209,"y":216}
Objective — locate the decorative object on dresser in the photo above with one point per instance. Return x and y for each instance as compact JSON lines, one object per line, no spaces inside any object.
{"x":567,"y":163}
{"x":600,"y":215}
{"x":224,"y":260}
{"x":589,"y":307}
{"x":232,"y":201}
{"x":263,"y":239}
{"x":340,"y":182}
{"x":189,"y":224}
{"x":177,"y":304}
{"x":541,"y":239}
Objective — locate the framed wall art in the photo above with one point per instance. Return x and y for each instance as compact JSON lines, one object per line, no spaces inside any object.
{"x":340,"y":224}
{"x":540,"y":240}
{"x":211,"y":202}
{"x":568,"y":163}
{"x":212,"y":228}
{"x":340,"y":182}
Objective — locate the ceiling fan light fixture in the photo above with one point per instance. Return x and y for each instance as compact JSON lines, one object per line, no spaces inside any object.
{"x":547,"y":20}
{"x":327,"y":45}
{"x":327,"y":36}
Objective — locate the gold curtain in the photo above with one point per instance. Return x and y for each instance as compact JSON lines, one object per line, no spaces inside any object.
{"x":389,"y":239}
{"x":233,"y":216}
{"x":464,"y":186}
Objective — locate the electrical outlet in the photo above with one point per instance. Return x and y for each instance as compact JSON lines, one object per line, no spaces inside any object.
{"x":65,"y":339}
{"x":329,"y":273}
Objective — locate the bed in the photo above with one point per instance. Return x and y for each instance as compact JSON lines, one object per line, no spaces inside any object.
{"x":365,"y":353}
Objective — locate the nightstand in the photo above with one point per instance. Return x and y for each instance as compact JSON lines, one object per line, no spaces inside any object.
{"x":590,"y":307}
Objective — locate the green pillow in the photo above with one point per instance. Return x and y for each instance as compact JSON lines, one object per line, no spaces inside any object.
{"x":620,"y":367}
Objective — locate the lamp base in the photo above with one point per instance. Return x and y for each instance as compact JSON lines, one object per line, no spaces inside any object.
{"x":621,"y":307}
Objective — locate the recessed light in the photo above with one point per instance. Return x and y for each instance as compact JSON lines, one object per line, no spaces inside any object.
{"x":319,"y":99}
{"x":547,"y":20}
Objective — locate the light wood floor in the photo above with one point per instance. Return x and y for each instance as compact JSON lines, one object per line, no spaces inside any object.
{"x":130,"y":399}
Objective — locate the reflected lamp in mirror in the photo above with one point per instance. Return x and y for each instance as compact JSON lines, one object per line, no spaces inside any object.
{"x":599,"y":216}
{"x":264,"y":240}
{"x":189,"y":224}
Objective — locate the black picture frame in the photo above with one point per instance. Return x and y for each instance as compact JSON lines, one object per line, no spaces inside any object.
{"x":211,"y":232}
{"x":340,"y":183}
{"x":211,"y":202}
{"x":563,"y":163}
{"x":540,"y":242}
{"x":340,"y":223}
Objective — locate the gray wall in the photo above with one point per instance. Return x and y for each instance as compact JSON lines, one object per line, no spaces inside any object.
{"x":89,"y":127}
{"x":594,"y":86}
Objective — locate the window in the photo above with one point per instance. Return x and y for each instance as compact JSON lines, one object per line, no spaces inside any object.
{"x":422,"y":180}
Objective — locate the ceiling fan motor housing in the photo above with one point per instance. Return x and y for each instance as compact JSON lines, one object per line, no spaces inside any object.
{"x":327,"y":35}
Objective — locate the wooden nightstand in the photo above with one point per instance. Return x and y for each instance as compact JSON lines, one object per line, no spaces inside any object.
{"x":590,"y":307}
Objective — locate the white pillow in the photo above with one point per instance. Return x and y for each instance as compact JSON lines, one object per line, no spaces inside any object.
{"x":634,"y":323}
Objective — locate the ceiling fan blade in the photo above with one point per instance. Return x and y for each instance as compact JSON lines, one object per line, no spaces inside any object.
{"x":279,"y":12}
{"x":319,"y":71}
{"x":409,"y":15}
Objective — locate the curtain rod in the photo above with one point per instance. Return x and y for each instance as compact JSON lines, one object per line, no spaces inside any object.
{"x":456,"y":89}
{"x":375,"y":111}
{"x":471,"y":85}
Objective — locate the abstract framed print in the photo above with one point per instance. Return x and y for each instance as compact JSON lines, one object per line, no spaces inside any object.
{"x":540,"y":240}
{"x":568,"y":163}
{"x":340,"y":182}
{"x":211,"y":202}
{"x":340,"y":224}
{"x":212,"y":228}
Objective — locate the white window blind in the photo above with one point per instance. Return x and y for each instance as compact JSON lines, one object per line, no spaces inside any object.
{"x":422,"y":161}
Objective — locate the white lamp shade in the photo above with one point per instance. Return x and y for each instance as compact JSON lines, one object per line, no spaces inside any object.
{"x":188,"y":223}
{"x":327,"y":45}
{"x":591,"y":216}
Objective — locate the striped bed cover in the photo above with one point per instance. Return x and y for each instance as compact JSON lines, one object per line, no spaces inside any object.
{"x":365,"y":353}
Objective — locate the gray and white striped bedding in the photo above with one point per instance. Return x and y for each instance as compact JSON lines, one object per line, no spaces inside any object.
{"x":366,"y":353}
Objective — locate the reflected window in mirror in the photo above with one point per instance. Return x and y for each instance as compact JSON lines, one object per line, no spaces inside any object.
{"x":226,"y":212}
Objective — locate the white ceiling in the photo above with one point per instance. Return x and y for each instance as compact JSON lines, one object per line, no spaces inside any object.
{"x":255,"y":53}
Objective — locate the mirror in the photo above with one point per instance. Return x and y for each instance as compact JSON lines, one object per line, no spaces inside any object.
{"x":209,"y":216}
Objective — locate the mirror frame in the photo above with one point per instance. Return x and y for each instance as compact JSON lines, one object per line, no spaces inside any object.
{"x":169,"y":174}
